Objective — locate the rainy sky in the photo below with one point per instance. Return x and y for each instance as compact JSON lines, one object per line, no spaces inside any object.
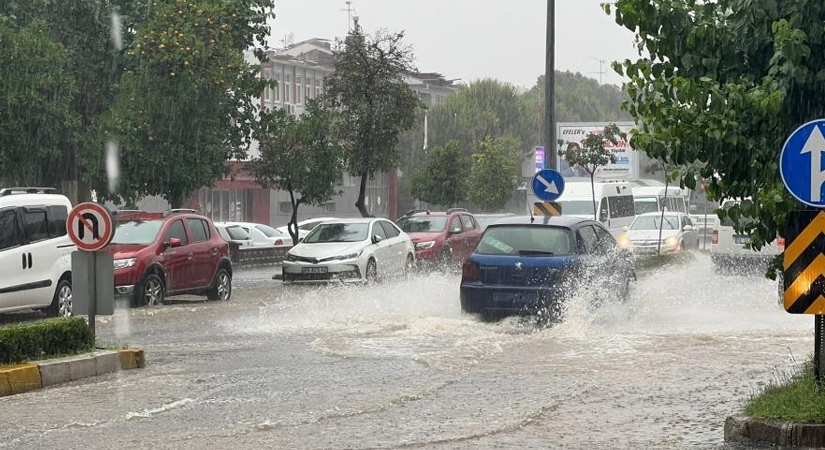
{"x":471,"y":39}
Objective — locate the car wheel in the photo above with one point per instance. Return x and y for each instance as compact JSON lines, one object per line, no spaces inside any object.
{"x":151,"y":291}
{"x":446,"y":258}
{"x":409,"y":266}
{"x":221,"y":287}
{"x":61,"y":305}
{"x":371,"y":275}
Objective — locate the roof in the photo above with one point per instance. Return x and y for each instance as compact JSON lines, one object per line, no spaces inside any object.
{"x":562,"y":221}
{"x":35,"y":200}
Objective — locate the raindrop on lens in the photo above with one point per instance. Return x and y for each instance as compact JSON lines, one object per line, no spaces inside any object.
{"x":112,"y":165}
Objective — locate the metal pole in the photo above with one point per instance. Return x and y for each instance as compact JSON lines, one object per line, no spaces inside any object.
{"x":819,"y":327}
{"x":705,"y":231}
{"x":93,"y":299}
{"x":550,"y":89}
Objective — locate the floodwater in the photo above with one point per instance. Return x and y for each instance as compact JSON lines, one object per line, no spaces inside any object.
{"x":397,"y":365}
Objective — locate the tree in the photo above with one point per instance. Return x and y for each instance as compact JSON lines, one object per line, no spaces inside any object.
{"x":445,"y":178}
{"x":496,"y":173}
{"x":36,"y":115}
{"x":367,"y":86}
{"x":592,"y":154}
{"x":725,"y":83}
{"x":299,"y":155}
{"x":185,"y":105}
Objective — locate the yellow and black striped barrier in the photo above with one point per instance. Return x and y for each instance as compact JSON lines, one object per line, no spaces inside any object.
{"x":804,"y":262}
{"x":546,"y":209}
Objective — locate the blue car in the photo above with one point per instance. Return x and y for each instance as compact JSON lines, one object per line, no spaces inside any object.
{"x":523,"y":266}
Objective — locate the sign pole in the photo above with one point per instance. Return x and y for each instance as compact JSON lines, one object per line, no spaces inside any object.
{"x":819,"y":336}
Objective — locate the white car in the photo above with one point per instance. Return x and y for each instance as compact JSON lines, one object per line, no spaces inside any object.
{"x":677,"y":234}
{"x":263,"y":235}
{"x":350,"y":250}
{"x":304,"y":227}
{"x":728,"y":249}
{"x":35,"y":252}
{"x":234,"y":234}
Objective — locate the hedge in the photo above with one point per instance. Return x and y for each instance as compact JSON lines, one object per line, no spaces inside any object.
{"x":44,"y":339}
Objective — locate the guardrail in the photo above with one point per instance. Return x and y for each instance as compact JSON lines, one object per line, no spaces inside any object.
{"x":256,"y":256}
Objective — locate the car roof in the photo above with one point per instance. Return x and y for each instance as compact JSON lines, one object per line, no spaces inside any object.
{"x":560,"y":221}
{"x":659,"y":214}
{"x":35,"y":200}
{"x":355,"y":220}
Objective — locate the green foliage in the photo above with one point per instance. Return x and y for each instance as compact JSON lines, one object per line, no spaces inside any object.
{"x":496,"y":173}
{"x":367,"y":86}
{"x":36,"y":116}
{"x":725,"y":83}
{"x":44,"y":339}
{"x":299,"y":155}
{"x":186,"y":102}
{"x":445,"y":178}
{"x":793,"y":398}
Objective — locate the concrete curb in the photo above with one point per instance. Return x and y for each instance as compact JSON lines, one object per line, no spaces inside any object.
{"x":29,"y":377}
{"x":752,"y":430}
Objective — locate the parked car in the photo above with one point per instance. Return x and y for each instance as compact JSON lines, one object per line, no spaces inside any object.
{"x":654,"y":232}
{"x":158,"y":255}
{"x":729,"y":250}
{"x":485,"y":220}
{"x":306,"y":226}
{"x":350,"y":250}
{"x":259,"y":235}
{"x":234,"y":234}
{"x":35,"y":251}
{"x":523,"y":266}
{"x":442,"y":237}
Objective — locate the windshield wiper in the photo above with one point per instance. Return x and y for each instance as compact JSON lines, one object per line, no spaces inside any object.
{"x":535,"y":253}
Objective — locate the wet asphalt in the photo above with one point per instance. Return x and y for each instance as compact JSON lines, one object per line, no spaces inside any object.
{"x":396,"y":365}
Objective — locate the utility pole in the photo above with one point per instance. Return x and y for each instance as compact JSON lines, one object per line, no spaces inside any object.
{"x":551,"y":158}
{"x":601,"y":71}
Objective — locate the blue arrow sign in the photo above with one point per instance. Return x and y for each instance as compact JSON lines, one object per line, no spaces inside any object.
{"x":548,"y":185}
{"x":800,"y":163}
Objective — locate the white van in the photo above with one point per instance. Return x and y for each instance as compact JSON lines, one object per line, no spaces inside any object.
{"x":35,"y":252}
{"x":653,"y":198}
{"x":728,"y":251}
{"x":613,"y":201}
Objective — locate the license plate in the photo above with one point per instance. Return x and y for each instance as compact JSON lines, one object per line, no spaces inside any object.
{"x":314,"y":270}
{"x":740,"y":239}
{"x":514,"y":297}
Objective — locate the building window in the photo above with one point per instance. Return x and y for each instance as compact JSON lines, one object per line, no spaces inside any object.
{"x":285,"y":207}
{"x":288,"y":89}
{"x":299,"y":90}
{"x":318,"y":88}
{"x":277,"y":89}
{"x":329,"y":207}
{"x":308,"y":92}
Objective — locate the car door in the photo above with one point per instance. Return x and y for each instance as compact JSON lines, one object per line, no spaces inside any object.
{"x":471,"y":235}
{"x":456,"y":230}
{"x":41,"y":254}
{"x":177,"y":261}
{"x":13,"y":261}
{"x":397,"y":248}
{"x":203,"y":266}
{"x":383,"y":252}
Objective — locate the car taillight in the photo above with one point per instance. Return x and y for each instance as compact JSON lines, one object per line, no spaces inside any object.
{"x":279,"y":242}
{"x":780,"y":242}
{"x":470,"y":272}
{"x":715,"y":237}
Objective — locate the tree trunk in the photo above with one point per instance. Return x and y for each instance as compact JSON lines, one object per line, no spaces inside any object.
{"x":593,"y":192}
{"x":362,"y":193}
{"x":292,"y":226}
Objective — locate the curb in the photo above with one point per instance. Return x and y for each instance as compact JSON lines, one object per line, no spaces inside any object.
{"x":21,"y":378}
{"x":752,"y":430}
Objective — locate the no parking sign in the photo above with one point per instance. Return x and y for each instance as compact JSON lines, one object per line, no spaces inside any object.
{"x":90,"y":227}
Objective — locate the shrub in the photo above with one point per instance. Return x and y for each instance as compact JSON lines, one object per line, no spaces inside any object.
{"x":44,"y":339}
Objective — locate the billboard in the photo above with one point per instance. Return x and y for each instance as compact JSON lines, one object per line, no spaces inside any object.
{"x":626,"y":165}
{"x":539,"y":151}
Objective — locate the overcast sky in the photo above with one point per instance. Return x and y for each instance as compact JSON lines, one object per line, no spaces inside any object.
{"x":472,"y":39}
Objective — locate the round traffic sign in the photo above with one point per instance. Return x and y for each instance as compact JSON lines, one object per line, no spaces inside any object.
{"x":548,"y":185}
{"x":90,"y":227}
{"x":801,"y":163}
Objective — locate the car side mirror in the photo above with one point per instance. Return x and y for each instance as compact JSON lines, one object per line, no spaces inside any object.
{"x":172,"y":243}
{"x":603,"y":216}
{"x":687,"y":228}
{"x":625,"y":228}
{"x":376,"y":239}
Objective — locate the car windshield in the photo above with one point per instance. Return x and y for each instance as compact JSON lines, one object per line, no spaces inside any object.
{"x":654,"y":223}
{"x":137,"y":232}
{"x":423,"y":224}
{"x":526,"y":241}
{"x":268,"y":231}
{"x":577,"y":207}
{"x":646,"y":204}
{"x":237,"y":233}
{"x":337,"y":232}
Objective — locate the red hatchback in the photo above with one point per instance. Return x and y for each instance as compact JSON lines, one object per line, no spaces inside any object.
{"x":442,"y":237}
{"x":158,"y":255}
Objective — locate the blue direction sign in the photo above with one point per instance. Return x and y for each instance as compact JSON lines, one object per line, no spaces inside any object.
{"x":801,"y":163}
{"x":548,"y":185}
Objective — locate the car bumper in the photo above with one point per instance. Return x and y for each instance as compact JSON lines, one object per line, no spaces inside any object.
{"x":505,"y":300}
{"x":653,"y":249}
{"x":428,"y":254}
{"x":349,"y":270}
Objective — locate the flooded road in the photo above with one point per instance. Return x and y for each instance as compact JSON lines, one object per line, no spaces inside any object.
{"x":397,"y":365}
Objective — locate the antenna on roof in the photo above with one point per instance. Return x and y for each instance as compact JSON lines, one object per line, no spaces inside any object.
{"x":350,"y":10}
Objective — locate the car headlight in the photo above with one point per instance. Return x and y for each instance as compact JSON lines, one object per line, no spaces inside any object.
{"x":672,"y":241}
{"x":291,"y":257}
{"x":342,"y":257}
{"x":124,"y":263}
{"x":625,"y":242}
{"x":424,"y":245}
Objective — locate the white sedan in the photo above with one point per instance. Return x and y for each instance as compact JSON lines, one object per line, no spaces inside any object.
{"x":305,"y":226}
{"x":350,"y":250}
{"x":676,"y":231}
{"x":262,"y":235}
